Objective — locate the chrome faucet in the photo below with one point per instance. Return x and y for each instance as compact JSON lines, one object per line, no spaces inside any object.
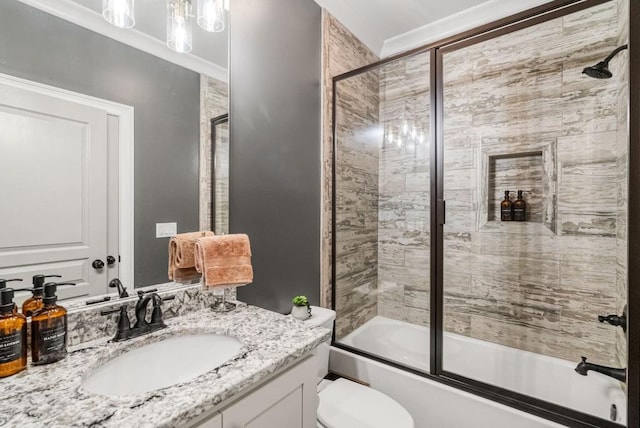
{"x":583,"y":367}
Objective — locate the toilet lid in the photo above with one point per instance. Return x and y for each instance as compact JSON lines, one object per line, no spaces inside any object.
{"x":346,"y":404}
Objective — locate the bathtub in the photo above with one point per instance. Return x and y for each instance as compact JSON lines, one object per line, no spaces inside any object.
{"x":547,"y":378}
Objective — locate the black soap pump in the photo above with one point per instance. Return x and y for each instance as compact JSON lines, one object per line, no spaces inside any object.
{"x":49,"y":328}
{"x":34,"y":302}
{"x":3,"y":285}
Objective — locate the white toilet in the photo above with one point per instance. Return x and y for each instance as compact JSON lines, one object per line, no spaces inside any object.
{"x":347,"y":404}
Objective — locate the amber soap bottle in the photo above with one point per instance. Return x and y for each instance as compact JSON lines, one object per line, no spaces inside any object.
{"x":49,"y":328}
{"x":506,"y":208}
{"x":34,"y":302}
{"x":13,"y":336}
{"x":519,"y":208}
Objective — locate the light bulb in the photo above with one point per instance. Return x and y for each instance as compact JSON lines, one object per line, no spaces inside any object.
{"x":211,"y":15}
{"x":120,"y":13}
{"x":179,"y":34}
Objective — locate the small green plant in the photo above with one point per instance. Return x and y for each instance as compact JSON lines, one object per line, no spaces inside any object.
{"x":300,"y":301}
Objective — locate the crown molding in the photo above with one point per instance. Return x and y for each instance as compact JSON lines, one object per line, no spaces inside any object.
{"x":92,"y":20}
{"x":454,"y":24}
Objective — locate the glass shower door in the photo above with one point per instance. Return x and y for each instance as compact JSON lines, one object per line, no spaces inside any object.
{"x":382,"y":211}
{"x":535,"y":175}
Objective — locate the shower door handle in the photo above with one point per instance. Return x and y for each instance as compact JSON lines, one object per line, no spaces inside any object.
{"x":441,"y":211}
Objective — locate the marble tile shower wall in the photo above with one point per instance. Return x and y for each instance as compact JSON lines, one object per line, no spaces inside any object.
{"x":356,"y":298}
{"x":403,"y":202}
{"x":539,"y":285}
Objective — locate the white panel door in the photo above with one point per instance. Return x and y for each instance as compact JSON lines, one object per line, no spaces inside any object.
{"x":53,"y":190}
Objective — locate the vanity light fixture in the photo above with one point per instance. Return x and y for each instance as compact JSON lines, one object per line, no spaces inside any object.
{"x":120,"y":13}
{"x":179,"y":30}
{"x":211,"y":15}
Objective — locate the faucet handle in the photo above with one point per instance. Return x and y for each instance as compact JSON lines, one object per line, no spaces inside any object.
{"x":156,"y":314}
{"x":620,"y":321}
{"x":124,"y":324}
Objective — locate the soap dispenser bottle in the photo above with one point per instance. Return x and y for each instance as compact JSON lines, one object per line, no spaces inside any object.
{"x":49,"y":328}
{"x":34,"y":302}
{"x":520,"y":208}
{"x":506,"y":208}
{"x":13,"y":336}
{"x":3,"y":285}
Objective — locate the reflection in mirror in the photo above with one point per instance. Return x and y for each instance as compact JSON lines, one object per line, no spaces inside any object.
{"x":101,"y":143}
{"x":220,"y":165}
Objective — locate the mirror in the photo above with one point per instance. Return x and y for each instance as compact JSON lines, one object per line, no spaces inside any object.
{"x":104,"y":146}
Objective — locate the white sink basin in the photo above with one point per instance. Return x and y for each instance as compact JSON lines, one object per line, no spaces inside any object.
{"x":161,"y":364}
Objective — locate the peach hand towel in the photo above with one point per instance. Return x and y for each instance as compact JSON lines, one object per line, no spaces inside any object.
{"x":224,"y":260}
{"x":182,"y":255}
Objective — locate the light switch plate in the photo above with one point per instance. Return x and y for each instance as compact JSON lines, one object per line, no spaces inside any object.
{"x":166,"y":230}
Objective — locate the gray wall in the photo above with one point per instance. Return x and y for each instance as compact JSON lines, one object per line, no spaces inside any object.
{"x":275,"y":68}
{"x":43,"y":48}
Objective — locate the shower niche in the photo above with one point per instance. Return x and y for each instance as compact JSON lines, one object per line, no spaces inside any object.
{"x":513,"y":166}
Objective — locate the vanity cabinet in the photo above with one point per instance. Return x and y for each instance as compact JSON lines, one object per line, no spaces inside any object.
{"x":288,"y":399}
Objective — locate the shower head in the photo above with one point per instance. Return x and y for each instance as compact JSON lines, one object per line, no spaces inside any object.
{"x":601,"y":69}
{"x":598,"y":71}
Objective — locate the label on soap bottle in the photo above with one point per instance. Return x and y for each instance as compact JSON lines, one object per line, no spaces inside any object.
{"x":52,"y":340}
{"x":10,"y":347}
{"x":518,"y":214}
{"x":506,"y":214}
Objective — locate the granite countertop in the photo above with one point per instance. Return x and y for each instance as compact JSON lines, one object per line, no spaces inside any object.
{"x":52,"y":395}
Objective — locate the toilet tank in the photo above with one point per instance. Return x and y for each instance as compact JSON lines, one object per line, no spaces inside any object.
{"x":322,"y":317}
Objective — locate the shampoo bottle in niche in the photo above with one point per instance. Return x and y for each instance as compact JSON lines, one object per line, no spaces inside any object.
{"x":34,"y":302}
{"x":3,"y":285}
{"x":13,"y":336}
{"x":506,"y":208}
{"x":519,"y":208}
{"x":49,"y":328}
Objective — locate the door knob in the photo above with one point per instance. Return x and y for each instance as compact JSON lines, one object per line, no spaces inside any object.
{"x":97,"y":264}
{"x":111,"y":260}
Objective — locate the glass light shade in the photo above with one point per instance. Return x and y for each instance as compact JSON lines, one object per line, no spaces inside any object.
{"x":211,"y":15}
{"x":179,"y":30}
{"x":120,"y":13}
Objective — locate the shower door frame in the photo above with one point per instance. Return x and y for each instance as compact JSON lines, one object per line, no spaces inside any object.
{"x":526,"y":403}
{"x":633,"y":237}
